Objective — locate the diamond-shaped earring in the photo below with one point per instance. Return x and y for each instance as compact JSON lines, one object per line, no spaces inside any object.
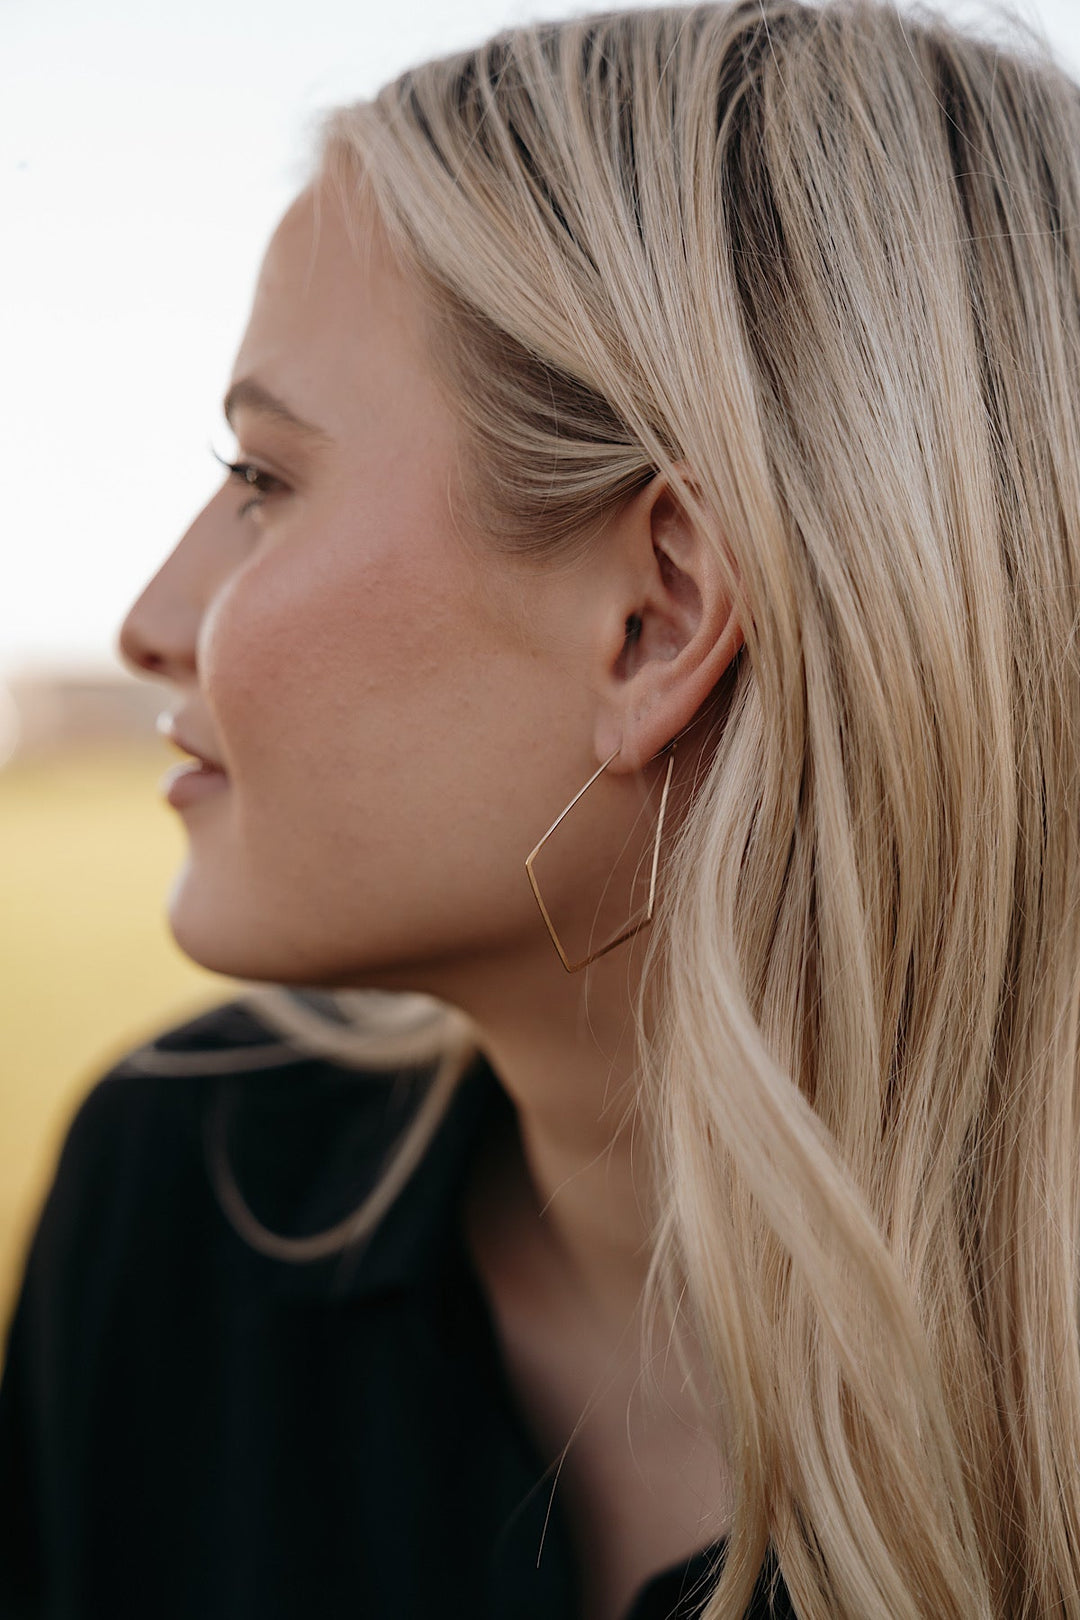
{"x":647,"y":913}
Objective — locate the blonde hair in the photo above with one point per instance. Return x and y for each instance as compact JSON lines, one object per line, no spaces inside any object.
{"x":828,"y":258}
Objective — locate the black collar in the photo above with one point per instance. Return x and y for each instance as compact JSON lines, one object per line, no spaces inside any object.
{"x":307,"y":1139}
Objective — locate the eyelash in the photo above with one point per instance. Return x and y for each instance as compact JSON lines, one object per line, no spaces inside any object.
{"x":254,"y":477}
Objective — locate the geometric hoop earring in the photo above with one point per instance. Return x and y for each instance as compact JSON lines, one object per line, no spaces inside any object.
{"x":646,"y":914}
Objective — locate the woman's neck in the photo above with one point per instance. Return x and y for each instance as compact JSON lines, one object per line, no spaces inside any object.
{"x":564,"y":1049}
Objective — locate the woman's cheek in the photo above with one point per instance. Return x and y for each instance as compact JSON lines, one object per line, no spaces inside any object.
{"x":247,"y":648}
{"x":298,"y":657}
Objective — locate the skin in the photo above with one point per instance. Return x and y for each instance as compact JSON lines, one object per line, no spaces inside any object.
{"x":402,"y":712}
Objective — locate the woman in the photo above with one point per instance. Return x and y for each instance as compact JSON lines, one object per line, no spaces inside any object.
{"x":671,"y":416}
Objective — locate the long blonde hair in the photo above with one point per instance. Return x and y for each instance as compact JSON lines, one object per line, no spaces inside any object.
{"x":827,"y":257}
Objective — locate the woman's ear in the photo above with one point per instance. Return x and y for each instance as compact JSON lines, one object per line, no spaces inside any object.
{"x":675,"y":629}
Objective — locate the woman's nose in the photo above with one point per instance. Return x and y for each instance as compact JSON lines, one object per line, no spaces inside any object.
{"x":159,"y":632}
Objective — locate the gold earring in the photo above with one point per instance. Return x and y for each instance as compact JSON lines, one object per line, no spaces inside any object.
{"x":634,"y":925}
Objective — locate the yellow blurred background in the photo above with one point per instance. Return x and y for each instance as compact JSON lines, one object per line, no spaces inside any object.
{"x":88,"y":850}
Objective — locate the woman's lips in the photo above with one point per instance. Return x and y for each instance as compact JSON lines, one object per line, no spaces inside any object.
{"x":196,"y":778}
{"x":192,"y":781}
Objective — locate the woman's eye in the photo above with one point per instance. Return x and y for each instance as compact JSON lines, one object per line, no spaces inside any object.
{"x":254,"y":477}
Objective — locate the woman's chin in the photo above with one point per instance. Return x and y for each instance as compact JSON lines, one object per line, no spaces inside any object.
{"x":217,"y":937}
{"x":223,"y":936}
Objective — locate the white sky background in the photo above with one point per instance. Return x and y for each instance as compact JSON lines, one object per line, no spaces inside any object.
{"x":147,"y":149}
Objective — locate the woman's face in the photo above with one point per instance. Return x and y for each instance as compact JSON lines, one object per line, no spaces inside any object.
{"x":400,"y":711}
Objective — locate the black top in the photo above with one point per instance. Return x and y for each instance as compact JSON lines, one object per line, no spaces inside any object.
{"x":191,"y":1429}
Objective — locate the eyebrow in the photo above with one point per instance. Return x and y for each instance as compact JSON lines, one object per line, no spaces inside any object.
{"x":250,"y":395}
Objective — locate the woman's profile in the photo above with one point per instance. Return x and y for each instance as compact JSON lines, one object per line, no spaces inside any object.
{"x":631,"y":679}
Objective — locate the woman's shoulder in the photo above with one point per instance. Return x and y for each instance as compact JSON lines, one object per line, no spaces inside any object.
{"x":161,"y":1373}
{"x":302,"y":1139}
{"x":134,"y":1129}
{"x":142,"y":1124}
{"x":134,"y":1244}
{"x":154,"y":1101}
{"x":149,"y":1094}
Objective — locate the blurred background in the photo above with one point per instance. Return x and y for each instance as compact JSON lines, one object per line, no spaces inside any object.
{"x":146,"y":153}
